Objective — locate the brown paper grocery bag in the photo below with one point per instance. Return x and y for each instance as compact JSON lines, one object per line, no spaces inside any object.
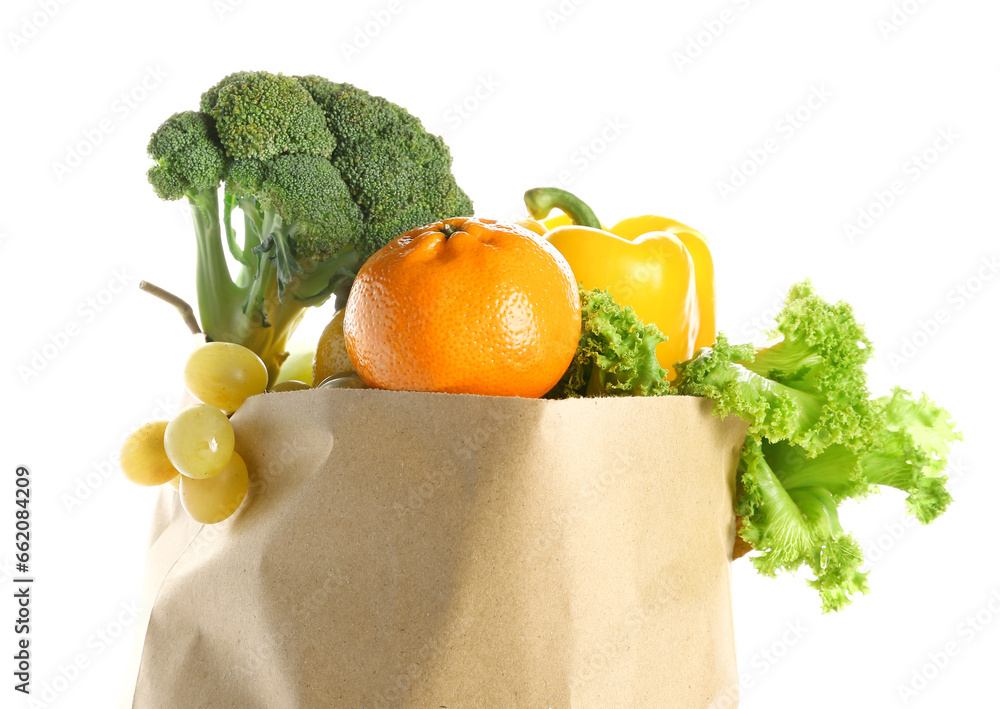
{"x":436,"y":550}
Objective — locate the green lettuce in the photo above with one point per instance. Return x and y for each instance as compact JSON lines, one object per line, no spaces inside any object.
{"x":911,"y":452}
{"x":616,"y":355}
{"x":808,"y":387}
{"x":817,"y":438}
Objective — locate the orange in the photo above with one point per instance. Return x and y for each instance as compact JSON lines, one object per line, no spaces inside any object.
{"x":471,"y":306}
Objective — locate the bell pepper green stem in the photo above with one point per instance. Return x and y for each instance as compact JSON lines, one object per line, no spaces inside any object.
{"x":542,"y":200}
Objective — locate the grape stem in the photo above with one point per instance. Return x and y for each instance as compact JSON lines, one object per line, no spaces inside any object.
{"x":183,"y":307}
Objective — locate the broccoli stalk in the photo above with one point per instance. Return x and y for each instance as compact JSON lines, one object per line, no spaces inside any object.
{"x":818,"y":438}
{"x":323,"y":174}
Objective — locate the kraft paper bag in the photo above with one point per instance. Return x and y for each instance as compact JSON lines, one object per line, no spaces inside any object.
{"x":413,"y":550}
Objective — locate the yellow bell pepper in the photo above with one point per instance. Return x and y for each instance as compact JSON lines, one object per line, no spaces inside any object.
{"x":658,"y":266}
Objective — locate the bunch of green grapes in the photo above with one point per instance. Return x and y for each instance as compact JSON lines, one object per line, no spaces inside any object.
{"x":195,"y":451}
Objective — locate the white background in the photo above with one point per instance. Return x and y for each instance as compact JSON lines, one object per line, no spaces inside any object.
{"x":593,"y":95}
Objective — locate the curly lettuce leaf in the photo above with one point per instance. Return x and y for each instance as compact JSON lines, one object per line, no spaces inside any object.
{"x":788,"y":505}
{"x":616,"y":355}
{"x":817,"y":438}
{"x":809,"y":387}
{"x":910,"y":452}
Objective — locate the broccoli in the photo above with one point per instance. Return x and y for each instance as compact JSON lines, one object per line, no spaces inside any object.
{"x":616,"y":355}
{"x":323,"y":174}
{"x":818,"y":438}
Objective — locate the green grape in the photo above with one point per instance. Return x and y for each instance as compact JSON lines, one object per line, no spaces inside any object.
{"x":290,"y":385}
{"x":175,"y":482}
{"x":199,"y":441}
{"x":224,"y":375}
{"x":347,"y":380}
{"x":299,"y":365}
{"x":214,"y":499}
{"x":143,"y":458}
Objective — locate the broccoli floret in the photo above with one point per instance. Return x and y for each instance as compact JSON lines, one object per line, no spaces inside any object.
{"x":211,"y":97}
{"x":616,"y":355}
{"x":260,"y":115}
{"x":314,"y":206}
{"x":188,"y":156}
{"x":245,"y":177}
{"x":397,"y":172}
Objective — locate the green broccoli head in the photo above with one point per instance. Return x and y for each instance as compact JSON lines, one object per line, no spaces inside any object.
{"x":324,"y":175}
{"x":308,"y":193}
{"x":188,"y":156}
{"x":245,"y":177}
{"x":261,"y":115}
{"x":398,"y":174}
{"x":211,"y":97}
{"x":365,"y":169}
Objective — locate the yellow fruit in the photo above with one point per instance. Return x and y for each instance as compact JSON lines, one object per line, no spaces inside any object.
{"x":331,"y":352}
{"x":199,"y":441}
{"x":224,"y":375}
{"x":143,"y":458}
{"x":211,"y":500}
{"x":291,"y":385}
{"x":298,"y":366}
